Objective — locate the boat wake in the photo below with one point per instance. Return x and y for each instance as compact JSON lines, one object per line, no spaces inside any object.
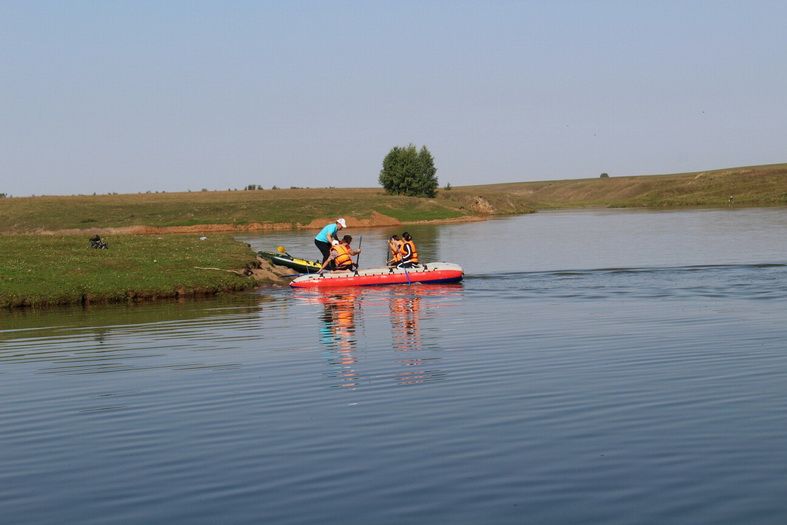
{"x":743,"y":281}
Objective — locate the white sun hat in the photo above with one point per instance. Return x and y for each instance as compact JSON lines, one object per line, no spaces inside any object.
{"x":341,"y":221}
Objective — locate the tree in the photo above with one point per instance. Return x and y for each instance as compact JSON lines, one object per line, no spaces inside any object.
{"x":407,"y":171}
{"x":604,"y":176}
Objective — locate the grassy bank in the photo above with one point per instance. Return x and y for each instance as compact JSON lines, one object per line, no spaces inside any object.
{"x":749,"y":186}
{"x":234,"y":209}
{"x":293,"y":208}
{"x":49,"y":270}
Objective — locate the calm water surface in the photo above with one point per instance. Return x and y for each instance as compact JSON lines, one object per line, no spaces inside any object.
{"x":594,"y":367}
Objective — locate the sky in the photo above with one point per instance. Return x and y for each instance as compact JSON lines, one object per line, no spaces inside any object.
{"x":143,"y":96}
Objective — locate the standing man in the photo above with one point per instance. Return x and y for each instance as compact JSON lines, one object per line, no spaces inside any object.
{"x":327,"y":238}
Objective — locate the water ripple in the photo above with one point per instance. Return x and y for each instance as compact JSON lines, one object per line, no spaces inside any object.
{"x":617,"y":395}
{"x":762,"y":281}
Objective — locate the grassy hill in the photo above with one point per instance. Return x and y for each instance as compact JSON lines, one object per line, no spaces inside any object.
{"x":293,"y":208}
{"x":749,"y":186}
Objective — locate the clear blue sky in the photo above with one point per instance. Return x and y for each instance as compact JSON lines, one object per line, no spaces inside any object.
{"x":167,"y":95}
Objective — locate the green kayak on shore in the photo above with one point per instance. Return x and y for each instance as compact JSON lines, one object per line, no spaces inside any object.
{"x":295,"y":263}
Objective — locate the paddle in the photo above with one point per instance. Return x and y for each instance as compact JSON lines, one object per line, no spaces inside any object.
{"x":357,"y":259}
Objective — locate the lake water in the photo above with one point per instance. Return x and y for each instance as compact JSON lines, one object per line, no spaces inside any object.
{"x":616,"y":367}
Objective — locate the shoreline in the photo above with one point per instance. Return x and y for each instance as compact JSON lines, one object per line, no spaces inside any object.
{"x":352,"y":222}
{"x":380,"y":221}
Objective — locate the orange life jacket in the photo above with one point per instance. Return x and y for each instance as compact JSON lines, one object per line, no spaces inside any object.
{"x":343,"y":259}
{"x":397,"y":252}
{"x":413,"y":252}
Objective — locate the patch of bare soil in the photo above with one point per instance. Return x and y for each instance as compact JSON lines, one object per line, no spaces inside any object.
{"x":261,"y":270}
{"x":482,"y":206}
{"x":268,"y":273}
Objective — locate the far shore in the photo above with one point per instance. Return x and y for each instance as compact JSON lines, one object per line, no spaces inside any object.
{"x":304,"y":208}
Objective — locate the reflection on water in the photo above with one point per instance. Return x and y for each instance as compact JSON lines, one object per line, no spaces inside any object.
{"x":405,"y":308}
{"x":354,"y":358}
{"x":129,"y":337}
{"x":338,"y":335}
{"x":405,"y":314}
{"x":103,"y":320}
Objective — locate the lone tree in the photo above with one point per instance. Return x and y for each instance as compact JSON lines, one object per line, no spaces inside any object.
{"x":407,"y":171}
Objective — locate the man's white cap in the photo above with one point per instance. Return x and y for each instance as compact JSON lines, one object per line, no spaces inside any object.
{"x":341,"y":221}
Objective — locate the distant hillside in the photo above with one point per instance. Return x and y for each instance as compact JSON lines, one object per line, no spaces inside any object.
{"x":260,"y":210}
{"x":748,"y":186}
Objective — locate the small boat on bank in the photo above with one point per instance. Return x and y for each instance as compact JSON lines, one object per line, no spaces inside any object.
{"x":295,"y":263}
{"x":436,"y":272}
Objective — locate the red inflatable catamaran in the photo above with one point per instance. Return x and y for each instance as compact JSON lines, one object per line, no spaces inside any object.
{"x":437,"y":272}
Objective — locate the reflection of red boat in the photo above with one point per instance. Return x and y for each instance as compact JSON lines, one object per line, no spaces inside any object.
{"x":438,"y":272}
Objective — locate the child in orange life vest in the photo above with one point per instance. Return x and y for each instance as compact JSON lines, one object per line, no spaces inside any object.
{"x":408,"y":252}
{"x":341,"y":256}
{"x":395,"y":250}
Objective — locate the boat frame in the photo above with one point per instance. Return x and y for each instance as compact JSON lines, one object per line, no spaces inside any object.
{"x":436,"y":272}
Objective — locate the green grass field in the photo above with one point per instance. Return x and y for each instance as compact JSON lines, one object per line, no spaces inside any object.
{"x":48,"y":270}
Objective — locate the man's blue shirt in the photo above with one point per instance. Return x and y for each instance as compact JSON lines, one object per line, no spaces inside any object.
{"x":329,"y":228}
